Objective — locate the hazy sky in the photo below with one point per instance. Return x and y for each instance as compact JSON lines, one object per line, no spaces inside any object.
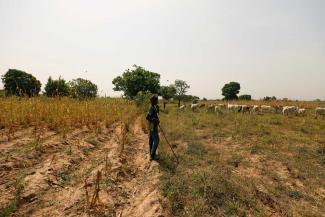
{"x":272,"y":47}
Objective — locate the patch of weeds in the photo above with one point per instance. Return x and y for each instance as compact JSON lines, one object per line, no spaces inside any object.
{"x":262,"y":130}
{"x":65,"y":178}
{"x":195,"y":148}
{"x":107,"y":182}
{"x":322,"y":160}
{"x":167,"y":162}
{"x":256,"y":149}
{"x":175,"y":190}
{"x":235,"y":160}
{"x":9,"y":209}
{"x":275,"y":121}
{"x":14,"y":204}
{"x":297,"y":195}
{"x":304,"y":130}
{"x":321,"y":150}
{"x":124,"y":194}
{"x":93,"y":142}
{"x":303,"y":153}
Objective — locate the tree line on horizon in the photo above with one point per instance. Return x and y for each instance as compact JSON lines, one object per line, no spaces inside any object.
{"x":20,"y":83}
{"x":136,"y":83}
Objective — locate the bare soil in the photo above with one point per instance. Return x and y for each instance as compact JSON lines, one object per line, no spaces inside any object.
{"x":80,"y":174}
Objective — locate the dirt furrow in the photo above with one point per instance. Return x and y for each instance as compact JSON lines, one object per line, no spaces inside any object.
{"x":29,"y":168}
{"x":144,"y":198}
{"x":63,"y":190}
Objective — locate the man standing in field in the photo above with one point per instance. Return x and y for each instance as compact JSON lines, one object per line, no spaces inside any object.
{"x":153,"y":123}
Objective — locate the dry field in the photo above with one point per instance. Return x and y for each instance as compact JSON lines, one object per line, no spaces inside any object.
{"x":235,"y":164}
{"x":63,"y":157}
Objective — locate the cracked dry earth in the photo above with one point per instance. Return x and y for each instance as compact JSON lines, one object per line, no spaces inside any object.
{"x":84,"y":174}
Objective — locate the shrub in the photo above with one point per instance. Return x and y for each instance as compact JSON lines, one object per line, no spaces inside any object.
{"x":82,"y":89}
{"x":56,"y":87}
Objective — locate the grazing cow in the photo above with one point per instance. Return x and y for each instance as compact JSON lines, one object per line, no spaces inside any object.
{"x":245,"y":108}
{"x":302,"y":112}
{"x":194,"y":107}
{"x":267,"y":109}
{"x":278,"y":109}
{"x":218,"y":109}
{"x":201,"y":105}
{"x":210,"y":108}
{"x":290,"y":110}
{"x":234,"y":108}
{"x":255,"y":109}
{"x":319,"y":112}
{"x":222,"y":106}
{"x":181,"y":108}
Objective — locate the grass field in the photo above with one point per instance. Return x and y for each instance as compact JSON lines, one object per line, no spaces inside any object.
{"x":244,"y":165}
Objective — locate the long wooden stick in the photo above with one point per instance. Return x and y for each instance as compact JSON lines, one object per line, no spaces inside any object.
{"x":162,"y":131}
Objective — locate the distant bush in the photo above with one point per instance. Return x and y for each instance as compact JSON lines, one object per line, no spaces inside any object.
{"x":245,"y":97}
{"x":269,"y":98}
{"x":190,"y":98}
{"x":56,"y":87}
{"x":20,"y":83}
{"x":82,"y":89}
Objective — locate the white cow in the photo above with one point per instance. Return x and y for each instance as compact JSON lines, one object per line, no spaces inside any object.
{"x":302,"y":112}
{"x":194,"y":107}
{"x":245,"y":108}
{"x":182,"y":107}
{"x":319,"y":112}
{"x":210,"y":108}
{"x":218,"y":109}
{"x":267,"y":109}
{"x":255,"y":109}
{"x":222,"y":106}
{"x":234,"y":108}
{"x":290,"y":110}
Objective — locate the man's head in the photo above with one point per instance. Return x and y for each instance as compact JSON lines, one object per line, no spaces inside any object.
{"x":154,"y":100}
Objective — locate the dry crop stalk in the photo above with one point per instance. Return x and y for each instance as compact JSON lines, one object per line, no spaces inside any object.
{"x":123,"y":138}
{"x":95,"y":197}
{"x":106,"y":166}
{"x":87,"y":194}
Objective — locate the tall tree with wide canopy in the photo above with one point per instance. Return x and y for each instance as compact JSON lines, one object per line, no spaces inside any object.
{"x":230,"y":90}
{"x":20,"y":83}
{"x":181,"y":89}
{"x":135,"y":80}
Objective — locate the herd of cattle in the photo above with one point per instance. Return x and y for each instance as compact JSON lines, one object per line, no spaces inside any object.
{"x":255,"y":109}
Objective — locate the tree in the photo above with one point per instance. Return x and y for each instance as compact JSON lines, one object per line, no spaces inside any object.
{"x":268,"y":98}
{"x":190,"y":98}
{"x":230,"y":90}
{"x":82,"y":88}
{"x":20,"y":83}
{"x":56,"y":87}
{"x":181,"y":89}
{"x":167,"y":92}
{"x":138,"y":79}
{"x":245,"y":97}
